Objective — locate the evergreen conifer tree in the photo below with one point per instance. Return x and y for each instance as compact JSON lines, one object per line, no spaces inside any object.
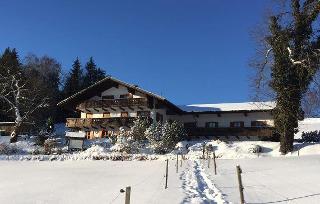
{"x":9,"y":62}
{"x":74,"y":80}
{"x":93,"y":74}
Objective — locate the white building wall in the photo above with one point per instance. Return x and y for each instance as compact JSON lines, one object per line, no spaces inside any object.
{"x":225,"y":119}
{"x":117,"y":113}
{"x":116,"y":92}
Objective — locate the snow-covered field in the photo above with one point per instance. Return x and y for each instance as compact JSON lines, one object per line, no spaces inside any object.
{"x":266,"y":180}
{"x":268,"y":177}
{"x":271,"y":180}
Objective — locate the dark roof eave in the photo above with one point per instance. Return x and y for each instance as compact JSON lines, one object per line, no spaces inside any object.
{"x":221,"y":112}
{"x":66,"y":102}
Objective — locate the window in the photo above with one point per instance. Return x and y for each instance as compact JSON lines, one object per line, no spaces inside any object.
{"x":212,"y":124}
{"x":124,"y":114}
{"x":159,"y":117}
{"x":88,"y":135}
{"x":190,"y":125}
{"x":143,"y":113}
{"x":104,"y":133}
{"x":107,"y":97}
{"x":89,"y":115}
{"x":258,"y":124}
{"x":124,"y":96}
{"x":237,"y":124}
{"x":106,"y":115}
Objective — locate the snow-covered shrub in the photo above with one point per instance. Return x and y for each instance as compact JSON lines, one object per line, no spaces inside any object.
{"x":209,"y":148}
{"x":138,"y":129}
{"x":163,"y":138}
{"x":120,"y":157}
{"x":8,"y":149}
{"x":49,"y":145}
{"x":95,"y":152}
{"x":125,"y":144}
{"x":312,"y":136}
{"x":172,"y":133}
{"x":123,"y":136}
{"x":253,"y":148}
{"x":122,"y":147}
{"x":103,"y":142}
{"x":41,"y":137}
{"x":154,"y":136}
{"x":37,"y":151}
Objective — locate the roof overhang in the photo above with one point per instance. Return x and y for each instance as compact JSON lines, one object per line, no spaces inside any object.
{"x":105,"y":84}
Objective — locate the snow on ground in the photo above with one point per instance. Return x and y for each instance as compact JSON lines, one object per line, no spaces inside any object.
{"x":266,"y":180}
{"x":198,"y":187}
{"x":87,"y":182}
{"x":308,"y":124}
{"x":270,"y":180}
{"x":224,"y":150}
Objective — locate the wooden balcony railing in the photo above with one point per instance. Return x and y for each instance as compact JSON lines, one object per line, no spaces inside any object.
{"x":98,"y":123}
{"x":244,"y":131}
{"x":125,"y":102}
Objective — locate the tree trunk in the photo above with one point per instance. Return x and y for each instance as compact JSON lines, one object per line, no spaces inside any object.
{"x":14,"y":133}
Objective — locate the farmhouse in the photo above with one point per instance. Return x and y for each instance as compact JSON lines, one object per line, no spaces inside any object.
{"x":112,"y":103}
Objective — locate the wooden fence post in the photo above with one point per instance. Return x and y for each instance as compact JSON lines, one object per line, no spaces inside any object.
{"x":214,"y":163}
{"x":128,"y":192}
{"x":203,"y":150}
{"x":177,"y":164}
{"x":239,"y":172}
{"x":166,"y":185}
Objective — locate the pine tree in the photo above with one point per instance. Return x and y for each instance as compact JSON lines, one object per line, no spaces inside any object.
{"x":138,"y":129}
{"x":93,"y":74}
{"x":9,"y":62}
{"x":74,"y":80}
{"x":164,"y":137}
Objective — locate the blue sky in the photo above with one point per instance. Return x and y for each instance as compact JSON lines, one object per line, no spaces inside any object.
{"x":189,"y":51}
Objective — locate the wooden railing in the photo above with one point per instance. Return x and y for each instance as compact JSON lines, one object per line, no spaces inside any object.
{"x":126,"y":102}
{"x":244,"y":131}
{"x":99,"y":123}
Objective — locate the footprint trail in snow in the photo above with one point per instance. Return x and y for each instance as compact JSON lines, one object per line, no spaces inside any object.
{"x":198,"y":187}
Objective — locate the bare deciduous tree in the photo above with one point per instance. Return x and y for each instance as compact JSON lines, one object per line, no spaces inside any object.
{"x":21,"y":98}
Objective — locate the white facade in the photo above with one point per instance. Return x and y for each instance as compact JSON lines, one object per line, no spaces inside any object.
{"x":132,"y":111}
{"x":120,"y":103}
{"x":224,"y":119}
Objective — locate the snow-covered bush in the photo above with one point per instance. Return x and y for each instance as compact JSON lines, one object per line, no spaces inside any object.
{"x":172,"y":133}
{"x":154,"y":136}
{"x":125,"y":144}
{"x":49,"y":145}
{"x":253,"y":148}
{"x":163,"y":138}
{"x":312,"y":136}
{"x":8,"y":149}
{"x":138,"y":129}
{"x":41,"y":137}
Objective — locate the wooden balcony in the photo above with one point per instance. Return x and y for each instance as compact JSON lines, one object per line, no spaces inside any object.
{"x":111,"y":103}
{"x":99,"y":123}
{"x":244,"y":131}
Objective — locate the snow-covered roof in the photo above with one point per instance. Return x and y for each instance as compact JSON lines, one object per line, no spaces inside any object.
{"x":229,"y":107}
